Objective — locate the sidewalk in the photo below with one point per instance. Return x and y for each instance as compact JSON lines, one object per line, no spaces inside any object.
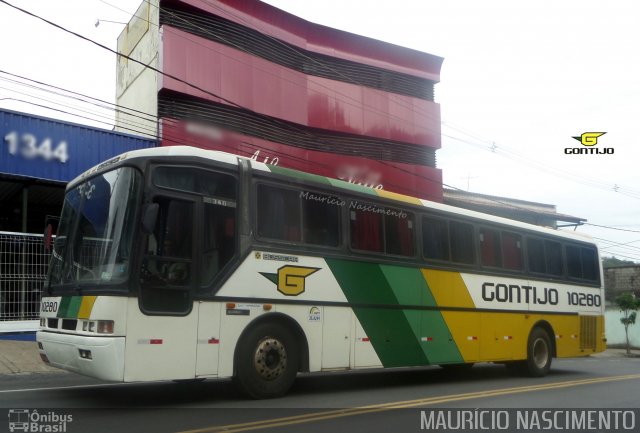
{"x":23,"y":357}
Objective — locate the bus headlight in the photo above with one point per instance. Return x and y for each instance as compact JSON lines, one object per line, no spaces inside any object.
{"x":98,"y":326}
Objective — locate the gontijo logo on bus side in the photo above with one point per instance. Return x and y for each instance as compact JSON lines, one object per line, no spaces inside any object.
{"x":290,"y":279}
{"x":588,"y":139}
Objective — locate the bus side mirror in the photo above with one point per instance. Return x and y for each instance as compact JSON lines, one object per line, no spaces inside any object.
{"x":150,"y":217}
{"x":48,"y":234}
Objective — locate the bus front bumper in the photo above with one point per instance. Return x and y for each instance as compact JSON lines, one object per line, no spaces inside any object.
{"x":99,"y":357}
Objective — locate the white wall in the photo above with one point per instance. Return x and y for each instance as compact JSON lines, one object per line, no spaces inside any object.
{"x":137,"y":86}
{"x":615,"y":330}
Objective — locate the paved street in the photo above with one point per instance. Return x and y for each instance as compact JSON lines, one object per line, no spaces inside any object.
{"x":371,"y":401}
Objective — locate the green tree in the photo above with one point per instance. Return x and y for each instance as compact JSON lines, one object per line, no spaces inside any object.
{"x":613,"y":262}
{"x":628,"y":304}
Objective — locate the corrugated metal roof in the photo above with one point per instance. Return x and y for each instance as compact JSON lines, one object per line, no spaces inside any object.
{"x":538,"y":213}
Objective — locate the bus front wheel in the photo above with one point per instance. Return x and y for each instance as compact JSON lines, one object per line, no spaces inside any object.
{"x":267,"y":361}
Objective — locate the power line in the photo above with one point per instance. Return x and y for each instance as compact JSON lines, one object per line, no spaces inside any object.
{"x":186,"y":82}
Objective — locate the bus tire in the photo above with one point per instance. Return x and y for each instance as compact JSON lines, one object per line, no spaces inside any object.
{"x":539,"y":353}
{"x":267,"y":361}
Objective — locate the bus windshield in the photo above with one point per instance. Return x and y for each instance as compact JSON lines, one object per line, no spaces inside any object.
{"x":95,"y":235}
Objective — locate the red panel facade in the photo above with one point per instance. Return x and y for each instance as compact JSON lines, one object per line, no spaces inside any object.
{"x":223,"y":74}
{"x":282,"y":93}
{"x":392,"y":176}
{"x":314,"y":37}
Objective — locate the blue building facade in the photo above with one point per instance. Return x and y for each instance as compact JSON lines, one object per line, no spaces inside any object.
{"x":40,"y":155}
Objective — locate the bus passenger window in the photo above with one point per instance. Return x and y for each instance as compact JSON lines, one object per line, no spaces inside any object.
{"x":535,"y":254}
{"x":462,"y":245}
{"x":278,"y":213}
{"x":589,"y":264}
{"x":398,"y":234}
{"x":435,"y":239}
{"x":366,"y":229}
{"x":582,"y":263}
{"x":574,"y":261}
{"x":511,"y":251}
{"x":320,"y":219}
{"x":553,"y":255}
{"x":490,"y":248}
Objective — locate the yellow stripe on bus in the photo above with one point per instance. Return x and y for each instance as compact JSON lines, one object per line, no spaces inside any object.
{"x":399,"y":197}
{"x":449,"y":290}
{"x":86,"y":307}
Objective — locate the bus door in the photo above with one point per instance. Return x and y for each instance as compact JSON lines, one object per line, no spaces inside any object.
{"x":161,"y":332}
{"x":217,"y":249}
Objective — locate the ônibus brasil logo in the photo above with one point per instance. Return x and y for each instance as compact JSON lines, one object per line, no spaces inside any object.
{"x":589,"y":140}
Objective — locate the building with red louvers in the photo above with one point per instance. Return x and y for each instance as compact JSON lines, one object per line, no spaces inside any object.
{"x":244,"y":77}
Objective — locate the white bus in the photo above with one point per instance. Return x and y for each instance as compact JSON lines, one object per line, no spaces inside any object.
{"x":180,"y":263}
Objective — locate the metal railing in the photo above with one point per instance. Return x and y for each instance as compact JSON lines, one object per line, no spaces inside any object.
{"x":23,"y":270}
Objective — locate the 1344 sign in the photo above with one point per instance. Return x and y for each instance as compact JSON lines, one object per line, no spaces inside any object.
{"x":28,"y":146}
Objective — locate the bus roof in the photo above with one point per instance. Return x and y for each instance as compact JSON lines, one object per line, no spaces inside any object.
{"x":228,"y":158}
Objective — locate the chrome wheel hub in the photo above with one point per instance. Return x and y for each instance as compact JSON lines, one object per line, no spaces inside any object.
{"x":270,"y":359}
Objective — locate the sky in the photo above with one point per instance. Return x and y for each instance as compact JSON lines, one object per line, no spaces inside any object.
{"x":518,"y":81}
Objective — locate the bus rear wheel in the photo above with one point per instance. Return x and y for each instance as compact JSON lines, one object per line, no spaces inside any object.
{"x":539,"y":354}
{"x":267,"y":361}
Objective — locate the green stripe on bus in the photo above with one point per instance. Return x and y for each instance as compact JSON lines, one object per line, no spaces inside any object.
{"x":69,"y":307}
{"x":74,"y":307}
{"x":321,"y":179}
{"x":353,"y":186}
{"x":64,"y":306}
{"x":389,"y":330}
{"x":429,"y":327}
{"x":298,"y":174}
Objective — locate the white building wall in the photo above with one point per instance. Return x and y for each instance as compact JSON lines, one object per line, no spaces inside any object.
{"x":137,"y":85}
{"x":615,"y":330}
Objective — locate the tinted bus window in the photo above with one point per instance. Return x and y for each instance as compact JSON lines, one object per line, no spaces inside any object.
{"x":278,"y":213}
{"x":435,"y":239}
{"x":490,"y":254}
{"x":298,"y":216}
{"x":378,"y":229}
{"x":366,"y":231}
{"x":189,"y":179}
{"x":553,"y":254}
{"x":589,"y":264}
{"x":320,"y":219}
{"x":399,"y":234}
{"x":461,"y":241}
{"x":512,"y":251}
{"x":535,"y":255}
{"x":574,"y":262}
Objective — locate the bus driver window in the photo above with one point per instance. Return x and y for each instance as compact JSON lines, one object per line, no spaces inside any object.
{"x":169,"y":247}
